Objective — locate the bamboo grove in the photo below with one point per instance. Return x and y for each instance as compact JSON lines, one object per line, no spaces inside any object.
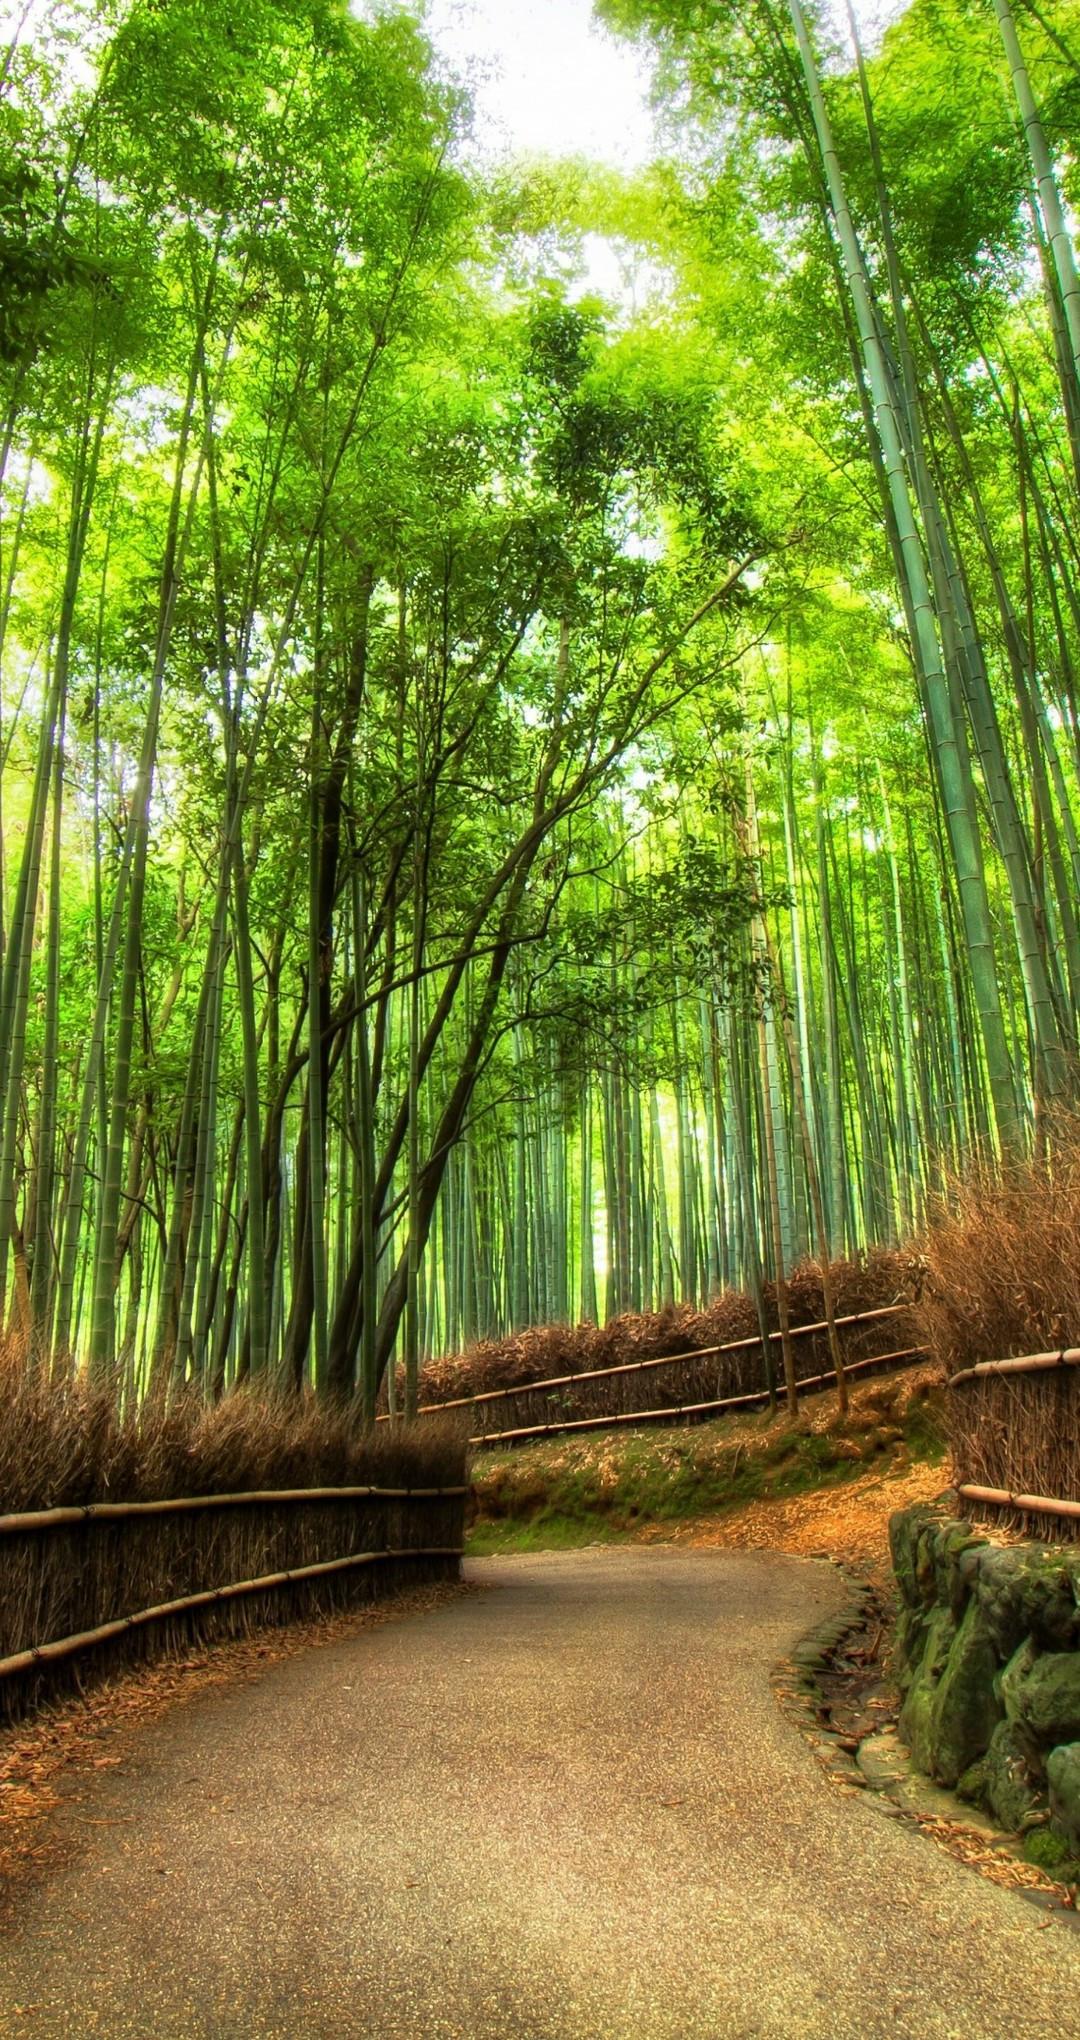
{"x":517,"y":806}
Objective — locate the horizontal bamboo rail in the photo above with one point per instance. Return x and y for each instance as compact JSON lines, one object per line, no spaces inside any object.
{"x":490,"y":1395}
{"x":1028,"y":1363}
{"x":86,"y":1639}
{"x":759,"y":1396}
{"x":177,"y":1505}
{"x":1035,"y":1505}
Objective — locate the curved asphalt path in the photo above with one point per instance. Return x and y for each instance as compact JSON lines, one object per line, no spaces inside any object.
{"x":567,"y":1808}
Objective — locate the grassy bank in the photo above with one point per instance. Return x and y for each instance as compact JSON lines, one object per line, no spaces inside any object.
{"x":617,"y":1486}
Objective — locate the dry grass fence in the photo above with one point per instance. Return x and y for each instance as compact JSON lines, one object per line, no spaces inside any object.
{"x":1018,"y":1434}
{"x":517,"y":1367}
{"x":67,"y":1446}
{"x":639,"y":1392}
{"x":999,"y":1269}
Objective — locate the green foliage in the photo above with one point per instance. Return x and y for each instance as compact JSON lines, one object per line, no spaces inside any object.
{"x":510,"y":850}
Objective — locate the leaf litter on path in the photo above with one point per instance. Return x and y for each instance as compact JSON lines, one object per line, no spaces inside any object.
{"x":43,"y":1758}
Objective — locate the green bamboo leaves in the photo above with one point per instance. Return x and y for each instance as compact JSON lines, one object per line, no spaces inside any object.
{"x":514,"y":809}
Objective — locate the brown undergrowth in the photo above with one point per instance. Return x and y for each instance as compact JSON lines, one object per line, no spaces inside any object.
{"x":882,"y":1277}
{"x":999,"y":1262}
{"x":1000,"y":1277}
{"x":70,"y":1441}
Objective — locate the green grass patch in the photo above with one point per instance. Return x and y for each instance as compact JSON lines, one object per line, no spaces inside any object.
{"x":548,"y":1532}
{"x":560,"y":1495}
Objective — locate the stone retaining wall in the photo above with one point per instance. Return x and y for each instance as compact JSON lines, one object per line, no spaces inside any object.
{"x":988,"y":1661}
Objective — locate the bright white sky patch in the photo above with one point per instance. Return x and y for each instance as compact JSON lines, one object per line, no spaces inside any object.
{"x":547,"y":80}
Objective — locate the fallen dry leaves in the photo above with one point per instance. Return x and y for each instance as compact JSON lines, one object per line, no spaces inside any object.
{"x":1000,"y":1865}
{"x":849,"y":1522}
{"x":587,"y":1471}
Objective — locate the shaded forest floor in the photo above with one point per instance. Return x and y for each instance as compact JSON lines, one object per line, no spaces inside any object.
{"x":825,"y":1484}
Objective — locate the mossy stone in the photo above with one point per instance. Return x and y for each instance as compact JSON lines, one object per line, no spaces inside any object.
{"x":1063,"y":1777}
{"x":917,"y":1723}
{"x":904,"y":1530}
{"x":1029,"y":1593}
{"x":972,"y":1784}
{"x":1043,"y":1703}
{"x":1010,"y":1791}
{"x":952,"y":1706}
{"x":1049,"y":1851}
{"x":952,"y":1576}
{"x":925,"y":1569}
{"x":1050,"y":1600}
{"x":1011,"y":1680}
{"x":909,"y":1643}
{"x":966,"y":1708}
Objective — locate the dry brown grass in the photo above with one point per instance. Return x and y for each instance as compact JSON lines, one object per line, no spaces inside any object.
{"x":1000,"y":1260}
{"x":546,"y":1351}
{"x":70,"y":1443}
{"x":1000,"y":1277}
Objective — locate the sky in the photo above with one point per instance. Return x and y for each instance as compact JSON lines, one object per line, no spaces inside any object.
{"x":547,"y":79}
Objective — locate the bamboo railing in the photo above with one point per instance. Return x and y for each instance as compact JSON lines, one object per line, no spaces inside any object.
{"x":1036,"y":1505}
{"x":39,"y":1655}
{"x":1011,"y":1441}
{"x":95,"y":1559}
{"x":552,"y":1384}
{"x":758,"y":1398}
{"x":1028,"y":1363}
{"x":177,"y":1505}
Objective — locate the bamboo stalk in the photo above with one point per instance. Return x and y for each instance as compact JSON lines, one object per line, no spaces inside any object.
{"x":731,"y":1402}
{"x":488,"y":1395}
{"x":66,"y":1646}
{"x":175,"y":1505}
{"x":1034,"y":1505}
{"x":1028,"y":1363}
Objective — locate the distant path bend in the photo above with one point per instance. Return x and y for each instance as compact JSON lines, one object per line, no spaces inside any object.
{"x":566,"y":1808}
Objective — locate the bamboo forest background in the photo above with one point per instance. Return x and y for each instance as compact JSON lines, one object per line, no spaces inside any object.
{"x":518,"y":806}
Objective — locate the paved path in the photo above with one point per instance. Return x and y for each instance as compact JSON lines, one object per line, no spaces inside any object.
{"x":566,"y":1808}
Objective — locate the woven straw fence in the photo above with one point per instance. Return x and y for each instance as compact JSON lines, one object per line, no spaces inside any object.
{"x":64,"y":1573}
{"x":1014,"y":1429}
{"x":682,"y":1378}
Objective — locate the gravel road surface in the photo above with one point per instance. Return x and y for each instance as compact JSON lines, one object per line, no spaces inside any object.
{"x":565,"y":1807}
